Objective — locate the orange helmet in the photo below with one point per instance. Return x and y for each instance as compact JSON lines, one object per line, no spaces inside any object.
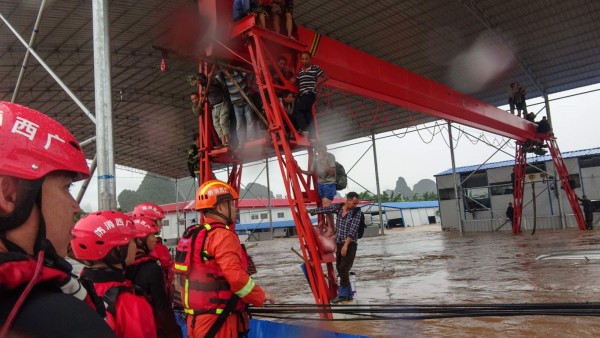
{"x":213,"y":192}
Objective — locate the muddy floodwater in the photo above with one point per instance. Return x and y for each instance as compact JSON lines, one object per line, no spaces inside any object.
{"x":424,"y":265}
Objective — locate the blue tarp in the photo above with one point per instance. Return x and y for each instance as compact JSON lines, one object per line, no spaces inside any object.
{"x":265,"y":225}
{"x":264,"y":328}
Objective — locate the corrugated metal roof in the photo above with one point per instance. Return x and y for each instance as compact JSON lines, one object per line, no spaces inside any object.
{"x":408,"y":205}
{"x":568,"y":154}
{"x":558,"y":43}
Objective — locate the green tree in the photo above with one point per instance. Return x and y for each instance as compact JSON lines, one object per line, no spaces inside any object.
{"x":385,"y":197}
{"x":366,"y":196}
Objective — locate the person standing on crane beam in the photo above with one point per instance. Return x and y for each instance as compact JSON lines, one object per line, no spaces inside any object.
{"x":308,"y":79}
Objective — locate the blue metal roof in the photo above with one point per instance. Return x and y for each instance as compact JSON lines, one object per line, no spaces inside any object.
{"x":510,"y":163}
{"x":266,"y":225}
{"x":408,"y":205}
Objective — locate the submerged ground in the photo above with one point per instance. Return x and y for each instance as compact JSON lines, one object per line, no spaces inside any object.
{"x":427,"y":266}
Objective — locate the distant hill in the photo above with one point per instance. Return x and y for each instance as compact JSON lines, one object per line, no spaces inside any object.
{"x":423,"y":186}
{"x":160,"y":190}
{"x":255,"y":190}
{"x":402,"y":188}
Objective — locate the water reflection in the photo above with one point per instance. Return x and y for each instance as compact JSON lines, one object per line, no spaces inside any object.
{"x":424,"y":265}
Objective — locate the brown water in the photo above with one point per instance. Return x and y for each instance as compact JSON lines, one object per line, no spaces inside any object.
{"x":426,"y":266}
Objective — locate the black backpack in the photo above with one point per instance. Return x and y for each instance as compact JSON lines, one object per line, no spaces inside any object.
{"x":341,"y":179}
{"x":362,"y":225}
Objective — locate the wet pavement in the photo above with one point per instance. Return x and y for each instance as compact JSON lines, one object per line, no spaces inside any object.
{"x":424,"y":265}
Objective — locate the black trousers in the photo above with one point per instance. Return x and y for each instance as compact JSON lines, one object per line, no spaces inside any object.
{"x":589,"y":220}
{"x":343,"y":264}
{"x":303,"y":113}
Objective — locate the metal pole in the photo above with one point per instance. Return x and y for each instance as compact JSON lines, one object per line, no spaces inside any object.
{"x":86,"y":183}
{"x":381,"y":227}
{"x":49,"y":70}
{"x":36,"y":27}
{"x":557,"y":191}
{"x":88,"y":141}
{"x":547,"y":104}
{"x":451,"y":143}
{"x":104,"y":129}
{"x":269,"y":197}
{"x":177,"y":207}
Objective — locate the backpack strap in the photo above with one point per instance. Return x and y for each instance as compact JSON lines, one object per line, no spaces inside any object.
{"x":214,"y":329}
{"x":110,"y":298}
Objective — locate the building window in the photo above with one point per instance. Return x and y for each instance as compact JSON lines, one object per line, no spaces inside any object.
{"x":502,"y":188}
{"x":574,"y":181}
{"x":476,"y":199}
{"x":446,"y":194}
{"x":254,"y":217}
{"x":534,"y":168}
{"x":165,"y":222}
{"x":589,"y":162}
{"x":280,"y":215}
{"x":478,"y":179}
{"x":264,"y":215}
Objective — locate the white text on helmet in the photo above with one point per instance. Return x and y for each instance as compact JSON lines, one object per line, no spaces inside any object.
{"x":99,"y":232}
{"x":217,"y":191}
{"x":25,"y":127}
{"x":109,"y":224}
{"x":49,"y":140}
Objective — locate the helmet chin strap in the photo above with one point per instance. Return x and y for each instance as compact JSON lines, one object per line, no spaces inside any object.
{"x":226,"y":218}
{"x":28,"y":193}
{"x":121,"y":253}
{"x":144,"y":245}
{"x":28,"y":196}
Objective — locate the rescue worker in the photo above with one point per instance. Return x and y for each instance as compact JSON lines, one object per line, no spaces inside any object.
{"x":156,"y":214}
{"x":216,"y":286}
{"x":104,"y":242}
{"x":148,"y":278}
{"x":588,"y":211}
{"x":39,"y":159}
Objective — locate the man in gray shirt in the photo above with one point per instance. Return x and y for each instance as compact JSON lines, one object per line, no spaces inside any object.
{"x":324,"y":166}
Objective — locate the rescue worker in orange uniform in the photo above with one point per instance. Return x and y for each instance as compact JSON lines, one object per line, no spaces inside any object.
{"x":216,"y":286}
{"x":39,"y":296}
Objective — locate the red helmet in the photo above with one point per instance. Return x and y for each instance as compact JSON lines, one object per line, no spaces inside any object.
{"x":96,"y":234}
{"x":148,"y":210}
{"x":32,"y":145}
{"x":144,"y":227}
{"x":213,"y":192}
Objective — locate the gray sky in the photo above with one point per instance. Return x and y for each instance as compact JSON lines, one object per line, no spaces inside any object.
{"x":418,"y":155}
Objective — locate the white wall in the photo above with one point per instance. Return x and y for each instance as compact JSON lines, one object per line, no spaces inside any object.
{"x":171,"y":231}
{"x":547,"y":204}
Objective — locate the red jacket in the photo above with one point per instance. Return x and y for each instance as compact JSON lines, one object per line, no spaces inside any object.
{"x":133,"y":314}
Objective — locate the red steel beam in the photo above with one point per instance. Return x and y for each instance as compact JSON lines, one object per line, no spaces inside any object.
{"x":362,"y":74}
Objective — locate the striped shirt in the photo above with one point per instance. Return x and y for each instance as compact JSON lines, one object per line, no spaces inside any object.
{"x":307,"y":79}
{"x":345,"y":226}
{"x":234,"y":93}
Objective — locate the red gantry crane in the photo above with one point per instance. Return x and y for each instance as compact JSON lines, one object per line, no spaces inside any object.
{"x":255,"y":49}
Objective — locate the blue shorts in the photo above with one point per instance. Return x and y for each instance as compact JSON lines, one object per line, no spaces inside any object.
{"x":327,"y":191}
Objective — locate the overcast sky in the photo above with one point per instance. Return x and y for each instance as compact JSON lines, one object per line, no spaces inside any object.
{"x":418,"y":155}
